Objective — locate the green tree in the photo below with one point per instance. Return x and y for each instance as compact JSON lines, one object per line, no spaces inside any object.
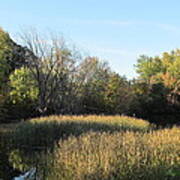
{"x":148,"y":67}
{"x":12,"y":56}
{"x":162,"y":78}
{"x":5,"y":55}
{"x":118,"y":95}
{"x":95,"y":84}
{"x":22,"y":98}
{"x":23,"y":86}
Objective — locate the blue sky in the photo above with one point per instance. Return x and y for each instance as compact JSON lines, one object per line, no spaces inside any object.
{"x":115,"y":30}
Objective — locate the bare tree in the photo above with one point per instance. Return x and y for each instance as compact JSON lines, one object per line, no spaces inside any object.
{"x":53,"y":66}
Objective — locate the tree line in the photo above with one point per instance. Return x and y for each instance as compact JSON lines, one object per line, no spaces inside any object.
{"x":44,"y":76}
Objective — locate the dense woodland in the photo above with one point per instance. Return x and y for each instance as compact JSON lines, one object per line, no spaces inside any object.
{"x":45,"y":76}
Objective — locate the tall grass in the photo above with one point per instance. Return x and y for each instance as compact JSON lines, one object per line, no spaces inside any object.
{"x":44,"y":132}
{"x":96,"y":147}
{"x":128,"y":155}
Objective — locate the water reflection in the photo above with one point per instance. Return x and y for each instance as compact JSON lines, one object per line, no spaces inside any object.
{"x":7,"y":171}
{"x":14,"y":162}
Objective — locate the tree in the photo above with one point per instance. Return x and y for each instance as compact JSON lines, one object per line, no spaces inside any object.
{"x":96,"y":74}
{"x":162,"y":78}
{"x":23,"y":86}
{"x":22,"y":97}
{"x":12,"y":56}
{"x":118,"y":95}
{"x":53,"y":66}
{"x":5,"y":52}
{"x":147,"y":67}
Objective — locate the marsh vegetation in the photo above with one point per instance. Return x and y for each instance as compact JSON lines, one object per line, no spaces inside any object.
{"x":94,"y":147}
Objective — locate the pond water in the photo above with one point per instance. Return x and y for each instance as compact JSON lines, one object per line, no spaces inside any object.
{"x":7,"y":172}
{"x":14,"y":162}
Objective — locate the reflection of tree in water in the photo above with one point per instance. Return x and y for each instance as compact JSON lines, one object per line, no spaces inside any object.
{"x":23,"y":161}
{"x":7,"y":172}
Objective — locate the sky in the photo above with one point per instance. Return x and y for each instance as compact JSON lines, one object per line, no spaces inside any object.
{"x":117,"y":31}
